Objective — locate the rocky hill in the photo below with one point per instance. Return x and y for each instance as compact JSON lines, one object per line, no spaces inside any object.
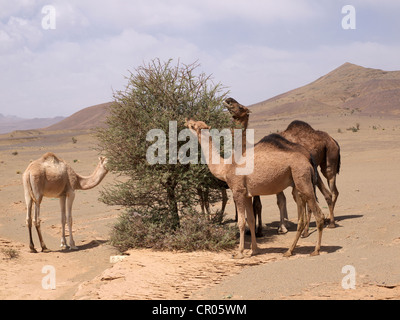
{"x":347,"y":89}
{"x":84,"y":119}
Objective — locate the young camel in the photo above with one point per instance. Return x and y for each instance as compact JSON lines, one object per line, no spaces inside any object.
{"x":322,"y":147}
{"x":50,"y":176}
{"x":275,"y":168}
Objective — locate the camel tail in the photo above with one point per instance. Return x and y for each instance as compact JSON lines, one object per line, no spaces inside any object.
{"x":332,"y":155}
{"x":27,"y":182}
{"x":314,"y":175}
{"x":338,"y":158}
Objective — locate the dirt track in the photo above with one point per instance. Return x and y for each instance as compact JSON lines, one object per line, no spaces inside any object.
{"x":367,"y":236}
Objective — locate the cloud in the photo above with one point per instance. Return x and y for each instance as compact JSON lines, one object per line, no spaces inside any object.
{"x":258,"y":48}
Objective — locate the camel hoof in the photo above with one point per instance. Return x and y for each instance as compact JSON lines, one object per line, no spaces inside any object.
{"x":305,"y":234}
{"x":282,"y":230}
{"x":287,"y":254}
{"x":255,"y":252}
{"x":332,"y":225}
{"x":73,"y":248}
{"x":45,"y":250}
{"x":33,"y":250}
{"x":314,"y":253}
{"x":238,"y":256}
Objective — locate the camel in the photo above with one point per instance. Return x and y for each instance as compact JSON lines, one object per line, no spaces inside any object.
{"x":322,"y":147}
{"x":326,"y":153}
{"x":50,"y":176}
{"x":241,"y":116}
{"x":276,"y":167}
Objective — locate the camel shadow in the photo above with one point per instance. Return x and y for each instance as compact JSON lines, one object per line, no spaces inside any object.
{"x":90,"y":245}
{"x":305,"y":250}
{"x":349,"y":216}
{"x":337,"y":220}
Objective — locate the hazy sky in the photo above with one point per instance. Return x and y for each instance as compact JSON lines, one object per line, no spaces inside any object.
{"x":257,"y":48}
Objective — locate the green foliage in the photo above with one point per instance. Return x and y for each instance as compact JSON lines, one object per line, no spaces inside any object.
{"x":196,"y":232}
{"x":163,"y":196}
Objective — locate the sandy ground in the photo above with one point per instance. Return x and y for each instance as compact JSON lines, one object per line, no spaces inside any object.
{"x":367,"y":237}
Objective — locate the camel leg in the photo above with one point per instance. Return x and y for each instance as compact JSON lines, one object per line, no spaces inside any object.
{"x":281,"y":200}
{"x":301,"y":212}
{"x":257,"y":209}
{"x":335,"y":194}
{"x":236,"y":213}
{"x":63,"y":222}
{"x":201,"y":196}
{"x":29,"y":202}
{"x":306,"y":232}
{"x":70,"y":201}
{"x":330,"y":176}
{"x":319,"y":218}
{"x":224,"y":201}
{"x":252,"y":224}
{"x":244,"y":205}
{"x":328,"y":198}
{"x":207,"y":204}
{"x":241,"y":221}
{"x":36,"y":222}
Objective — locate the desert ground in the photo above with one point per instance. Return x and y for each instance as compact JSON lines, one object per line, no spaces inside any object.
{"x":367,"y":236}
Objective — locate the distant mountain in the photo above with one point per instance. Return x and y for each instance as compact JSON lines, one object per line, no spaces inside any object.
{"x":84,"y":119}
{"x":12,"y":123}
{"x":347,"y":89}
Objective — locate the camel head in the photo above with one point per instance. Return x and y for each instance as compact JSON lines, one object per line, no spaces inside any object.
{"x":237,"y":110}
{"x":196,"y":126}
{"x":103,"y":163}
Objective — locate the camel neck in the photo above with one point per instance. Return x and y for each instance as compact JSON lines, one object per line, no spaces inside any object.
{"x":215,"y":162}
{"x":89,"y":182}
{"x":243,"y":123}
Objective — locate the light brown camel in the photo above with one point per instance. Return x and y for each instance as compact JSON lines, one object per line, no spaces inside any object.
{"x":323,"y":148}
{"x":240,"y":115}
{"x":50,"y":176}
{"x":275,"y":168}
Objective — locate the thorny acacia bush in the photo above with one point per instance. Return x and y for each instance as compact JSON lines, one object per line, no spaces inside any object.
{"x":162,"y":200}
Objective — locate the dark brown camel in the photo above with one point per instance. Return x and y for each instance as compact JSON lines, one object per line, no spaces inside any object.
{"x":326,"y":153}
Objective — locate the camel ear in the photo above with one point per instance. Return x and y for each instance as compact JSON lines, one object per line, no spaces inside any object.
{"x":102,"y":159}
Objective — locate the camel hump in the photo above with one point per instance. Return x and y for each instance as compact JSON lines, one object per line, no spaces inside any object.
{"x":277,"y":141}
{"x":49,"y":156}
{"x":299,"y":125}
